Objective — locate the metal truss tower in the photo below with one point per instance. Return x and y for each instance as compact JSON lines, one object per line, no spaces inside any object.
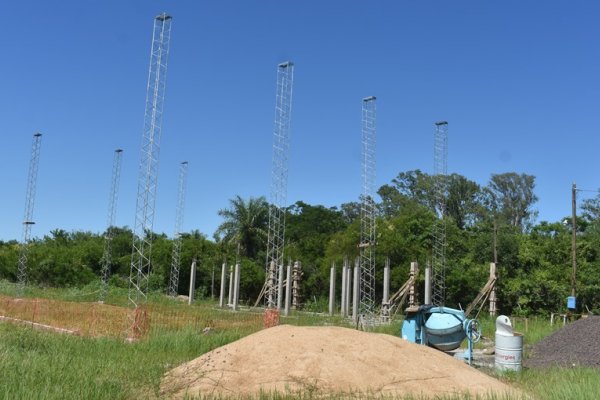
{"x":440,"y":170}
{"x":110,"y":222}
{"x":148,"y":169}
{"x":279,"y":175}
{"x":28,"y":216}
{"x":176,"y":258}
{"x":367,"y":211}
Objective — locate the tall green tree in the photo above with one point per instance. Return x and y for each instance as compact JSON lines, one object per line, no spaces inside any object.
{"x":245,"y":222}
{"x":510,"y":196}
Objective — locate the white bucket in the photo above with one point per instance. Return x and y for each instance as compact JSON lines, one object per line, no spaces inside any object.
{"x":509,"y":352}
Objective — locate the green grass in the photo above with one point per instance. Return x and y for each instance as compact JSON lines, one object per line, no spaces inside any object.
{"x":41,"y":365}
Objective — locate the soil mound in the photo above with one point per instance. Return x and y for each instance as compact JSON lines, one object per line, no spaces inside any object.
{"x":289,"y":359}
{"x":576,"y":344}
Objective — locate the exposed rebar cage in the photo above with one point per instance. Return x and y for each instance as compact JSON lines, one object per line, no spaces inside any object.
{"x":440,"y":169}
{"x":279,"y":175}
{"x":106,"y":260}
{"x":34,"y":163}
{"x":148,"y":169}
{"x":176,"y":256}
{"x":367,"y":211}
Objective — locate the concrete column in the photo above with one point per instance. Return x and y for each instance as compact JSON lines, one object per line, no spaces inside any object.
{"x":223,"y":279}
{"x":343,"y":299}
{"x":280,"y":287}
{"x":296,"y":275}
{"x":428,"y":284}
{"x":192,"y":282}
{"x":349,"y":287}
{"x":493,"y":292}
{"x":271,"y":284}
{"x":332,"y":290}
{"x":236,"y":287}
{"x":414,"y":267}
{"x":230,"y":298}
{"x":356,"y":291}
{"x":386,"y":283}
{"x":288,"y":290}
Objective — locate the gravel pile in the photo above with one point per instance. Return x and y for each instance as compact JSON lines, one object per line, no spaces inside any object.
{"x":577,"y":344}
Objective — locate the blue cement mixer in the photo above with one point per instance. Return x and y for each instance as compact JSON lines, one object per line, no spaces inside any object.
{"x":442,"y":328}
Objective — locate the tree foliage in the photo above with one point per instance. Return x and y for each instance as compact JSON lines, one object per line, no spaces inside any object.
{"x":534,"y":258}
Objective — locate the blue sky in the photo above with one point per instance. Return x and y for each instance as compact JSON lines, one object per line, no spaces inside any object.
{"x":517,"y":81}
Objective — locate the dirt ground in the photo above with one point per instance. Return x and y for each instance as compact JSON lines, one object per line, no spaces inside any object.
{"x":92,"y":319}
{"x":326,"y":360}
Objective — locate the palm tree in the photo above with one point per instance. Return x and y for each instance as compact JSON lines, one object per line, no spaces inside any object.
{"x":245,"y":223}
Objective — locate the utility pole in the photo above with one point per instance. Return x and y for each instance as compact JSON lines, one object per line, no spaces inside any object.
{"x":495,"y":241}
{"x":279,"y":176}
{"x":177,"y":240}
{"x":368,"y":212}
{"x":148,"y":173}
{"x":28,"y":218}
{"x":573,"y":237}
{"x":112,"y":214}
{"x":440,"y":168}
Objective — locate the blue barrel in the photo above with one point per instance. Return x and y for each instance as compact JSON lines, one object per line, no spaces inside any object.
{"x":571,"y":302}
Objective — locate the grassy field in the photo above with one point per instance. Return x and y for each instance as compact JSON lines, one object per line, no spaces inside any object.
{"x":42,"y":365}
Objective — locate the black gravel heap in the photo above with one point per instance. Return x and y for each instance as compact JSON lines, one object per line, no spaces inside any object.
{"x":575,"y":344}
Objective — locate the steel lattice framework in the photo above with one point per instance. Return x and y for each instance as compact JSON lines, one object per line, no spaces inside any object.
{"x":148,"y":169}
{"x":279,"y":176}
{"x":440,"y":169}
{"x":110,"y":222}
{"x":28,"y":216}
{"x":176,"y":257}
{"x":367,"y":210}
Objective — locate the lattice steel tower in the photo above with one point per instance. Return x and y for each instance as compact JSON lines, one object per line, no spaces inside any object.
{"x":176,"y":257}
{"x":110,"y":222}
{"x":279,"y":175}
{"x":367,"y":211}
{"x":28,"y":216}
{"x":148,"y":169}
{"x":440,"y":168}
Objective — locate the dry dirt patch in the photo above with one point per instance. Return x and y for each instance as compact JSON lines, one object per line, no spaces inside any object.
{"x":326,"y":360}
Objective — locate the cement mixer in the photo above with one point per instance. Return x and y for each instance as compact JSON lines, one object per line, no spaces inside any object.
{"x":440,"y":327}
{"x":443,"y":328}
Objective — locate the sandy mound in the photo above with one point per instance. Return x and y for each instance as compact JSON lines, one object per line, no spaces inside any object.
{"x":328,"y":360}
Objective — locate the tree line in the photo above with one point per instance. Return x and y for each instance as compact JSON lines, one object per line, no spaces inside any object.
{"x":483,"y":224}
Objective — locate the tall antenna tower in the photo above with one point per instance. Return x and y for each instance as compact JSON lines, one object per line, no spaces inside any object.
{"x":148,"y":170}
{"x":279,"y":175}
{"x":28,"y":217}
{"x":176,"y":258}
{"x":112,"y":215}
{"x":440,"y":170}
{"x":367,"y":211}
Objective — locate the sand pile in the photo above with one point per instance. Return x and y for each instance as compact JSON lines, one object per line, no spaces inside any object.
{"x":326,"y":360}
{"x":575,"y":344}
